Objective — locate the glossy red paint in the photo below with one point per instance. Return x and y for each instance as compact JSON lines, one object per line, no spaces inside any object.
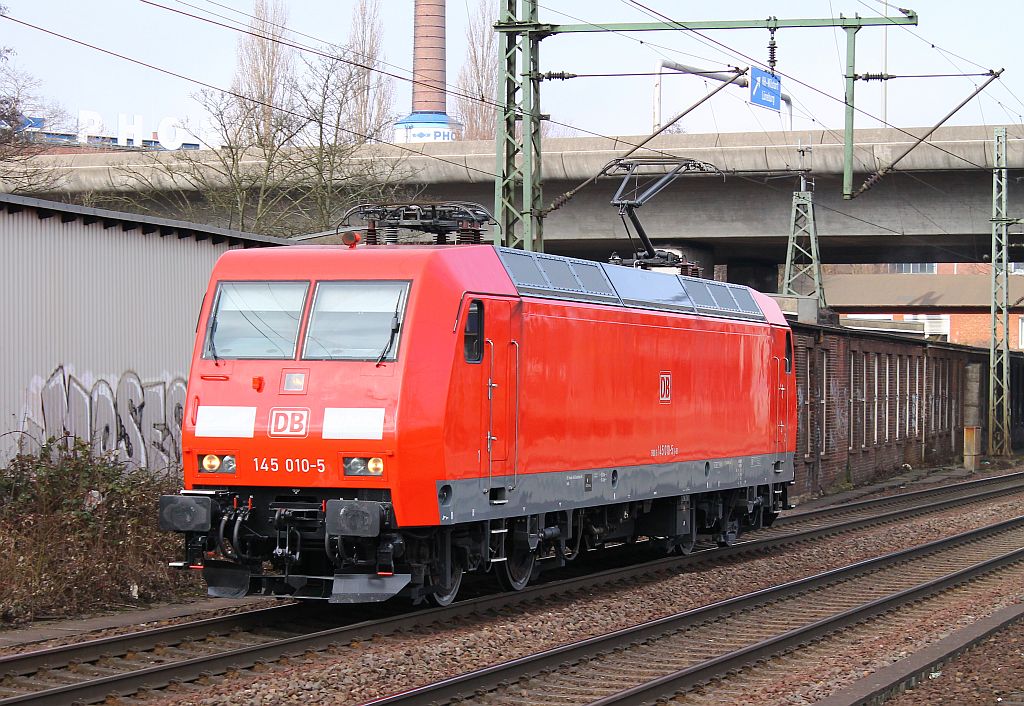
{"x":578,"y":386}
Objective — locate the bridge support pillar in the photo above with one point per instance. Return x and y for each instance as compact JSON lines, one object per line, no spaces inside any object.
{"x":762,"y":276}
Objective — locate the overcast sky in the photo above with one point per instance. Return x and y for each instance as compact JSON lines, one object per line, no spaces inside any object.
{"x":967,"y":37}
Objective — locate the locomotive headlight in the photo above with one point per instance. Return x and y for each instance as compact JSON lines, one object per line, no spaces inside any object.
{"x":214,"y":463}
{"x":364,"y":466}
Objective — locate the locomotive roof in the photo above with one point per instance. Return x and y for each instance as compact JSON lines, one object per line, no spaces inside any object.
{"x":529,"y":274}
{"x":558,"y":277}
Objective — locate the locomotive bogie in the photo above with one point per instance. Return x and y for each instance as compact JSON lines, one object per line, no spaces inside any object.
{"x":294,"y":548}
{"x":367,"y":422}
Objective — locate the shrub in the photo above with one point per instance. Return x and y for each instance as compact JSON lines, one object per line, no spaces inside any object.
{"x":79,"y":533}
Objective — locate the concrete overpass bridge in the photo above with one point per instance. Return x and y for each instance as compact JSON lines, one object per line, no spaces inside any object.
{"x":935,"y":208}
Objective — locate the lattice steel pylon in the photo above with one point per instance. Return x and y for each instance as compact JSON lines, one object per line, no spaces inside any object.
{"x":802,"y":275}
{"x":999,"y":439}
{"x":518,"y":201}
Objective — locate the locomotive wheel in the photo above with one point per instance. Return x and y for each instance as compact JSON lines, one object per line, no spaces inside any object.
{"x":728,"y":537}
{"x":515,"y":572}
{"x":685,"y":545}
{"x":445,"y":595}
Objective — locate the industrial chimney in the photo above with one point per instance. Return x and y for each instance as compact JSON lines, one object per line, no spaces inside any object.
{"x":429,"y":121}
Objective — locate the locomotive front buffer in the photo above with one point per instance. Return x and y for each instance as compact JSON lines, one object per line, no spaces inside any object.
{"x":259,"y":545}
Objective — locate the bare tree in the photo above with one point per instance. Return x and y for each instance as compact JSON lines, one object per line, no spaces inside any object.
{"x":477,"y":85}
{"x":337,"y":164}
{"x":242,"y":179}
{"x":19,"y":100}
{"x":284,"y":151}
{"x":478,"y":78}
{"x":264,"y":73}
{"x":370,"y":109}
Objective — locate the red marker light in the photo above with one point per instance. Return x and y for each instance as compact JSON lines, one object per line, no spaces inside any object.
{"x":257,"y":383}
{"x":350,"y":239}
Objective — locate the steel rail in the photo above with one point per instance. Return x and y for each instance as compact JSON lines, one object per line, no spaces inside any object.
{"x":29,"y":662}
{"x":686,"y":678}
{"x":496,"y":676}
{"x":1008,"y":478}
{"x":160,"y":675}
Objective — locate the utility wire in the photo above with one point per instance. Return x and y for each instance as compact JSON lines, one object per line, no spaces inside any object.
{"x":287,"y":111}
{"x":886,"y":77}
{"x":707,"y":41}
{"x":947,"y":53}
{"x":366,"y":137}
{"x":651,"y":12}
{"x":301,"y":47}
{"x":657,"y":48}
{"x":211,"y":86}
{"x":806,"y":113}
{"x":404,"y":69}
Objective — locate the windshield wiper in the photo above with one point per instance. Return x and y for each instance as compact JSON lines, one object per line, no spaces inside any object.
{"x":395,"y":325}
{"x":213,"y":346}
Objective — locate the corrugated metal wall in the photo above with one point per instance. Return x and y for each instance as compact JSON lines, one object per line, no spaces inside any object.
{"x":97,"y":328}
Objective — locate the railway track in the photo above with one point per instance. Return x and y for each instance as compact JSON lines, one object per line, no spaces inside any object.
{"x":664,"y":658}
{"x":90,"y":671}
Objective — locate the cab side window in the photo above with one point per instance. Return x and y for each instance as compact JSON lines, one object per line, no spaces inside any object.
{"x":789,"y":352}
{"x":473,"y":336}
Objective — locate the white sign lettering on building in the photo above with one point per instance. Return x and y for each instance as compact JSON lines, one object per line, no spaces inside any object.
{"x":169,"y":132}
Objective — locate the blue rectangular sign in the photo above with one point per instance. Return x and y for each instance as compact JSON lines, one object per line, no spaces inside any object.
{"x":765,"y":89}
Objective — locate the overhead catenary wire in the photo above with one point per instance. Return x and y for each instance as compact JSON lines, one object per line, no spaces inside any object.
{"x":831,"y":131}
{"x":946,"y":53}
{"x":657,"y":48}
{"x":561,"y":200}
{"x":410,"y":150}
{"x":205,"y":84}
{"x":874,"y":178}
{"x":287,"y":111}
{"x":682,"y":25}
{"x":301,"y":47}
{"x":553,"y":206}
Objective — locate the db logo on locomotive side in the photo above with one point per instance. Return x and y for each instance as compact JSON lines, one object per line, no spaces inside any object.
{"x":665,"y":387}
{"x":288,"y":421}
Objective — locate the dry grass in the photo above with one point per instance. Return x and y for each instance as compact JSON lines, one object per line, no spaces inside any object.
{"x":79,"y":533}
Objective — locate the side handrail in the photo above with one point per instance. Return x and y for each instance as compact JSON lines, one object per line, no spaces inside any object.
{"x":490,"y":418}
{"x":515,"y":453}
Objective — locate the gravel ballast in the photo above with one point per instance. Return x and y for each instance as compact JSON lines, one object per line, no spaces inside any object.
{"x":387,"y":664}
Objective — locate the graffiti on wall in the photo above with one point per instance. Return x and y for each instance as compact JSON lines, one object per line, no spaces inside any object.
{"x":137,"y":421}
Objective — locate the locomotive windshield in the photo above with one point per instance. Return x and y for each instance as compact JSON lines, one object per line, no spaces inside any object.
{"x":255,"y":320}
{"x":355,"y":321}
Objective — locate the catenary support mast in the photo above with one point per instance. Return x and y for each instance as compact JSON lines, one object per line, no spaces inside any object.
{"x":517,"y":199}
{"x":999,"y":350}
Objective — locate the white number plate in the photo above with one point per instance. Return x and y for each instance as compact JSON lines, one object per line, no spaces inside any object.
{"x":289,"y":465}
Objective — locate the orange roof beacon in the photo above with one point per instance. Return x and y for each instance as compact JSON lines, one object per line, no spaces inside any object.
{"x":374,"y":420}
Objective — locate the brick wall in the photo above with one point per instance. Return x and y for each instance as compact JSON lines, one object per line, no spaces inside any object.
{"x":868,"y":403}
{"x":975,"y":329}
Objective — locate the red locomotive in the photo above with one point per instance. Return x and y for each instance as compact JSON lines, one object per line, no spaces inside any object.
{"x":369,"y":421}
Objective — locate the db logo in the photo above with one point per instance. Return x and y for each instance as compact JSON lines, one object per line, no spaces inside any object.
{"x":288,"y":421}
{"x":665,"y":387}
